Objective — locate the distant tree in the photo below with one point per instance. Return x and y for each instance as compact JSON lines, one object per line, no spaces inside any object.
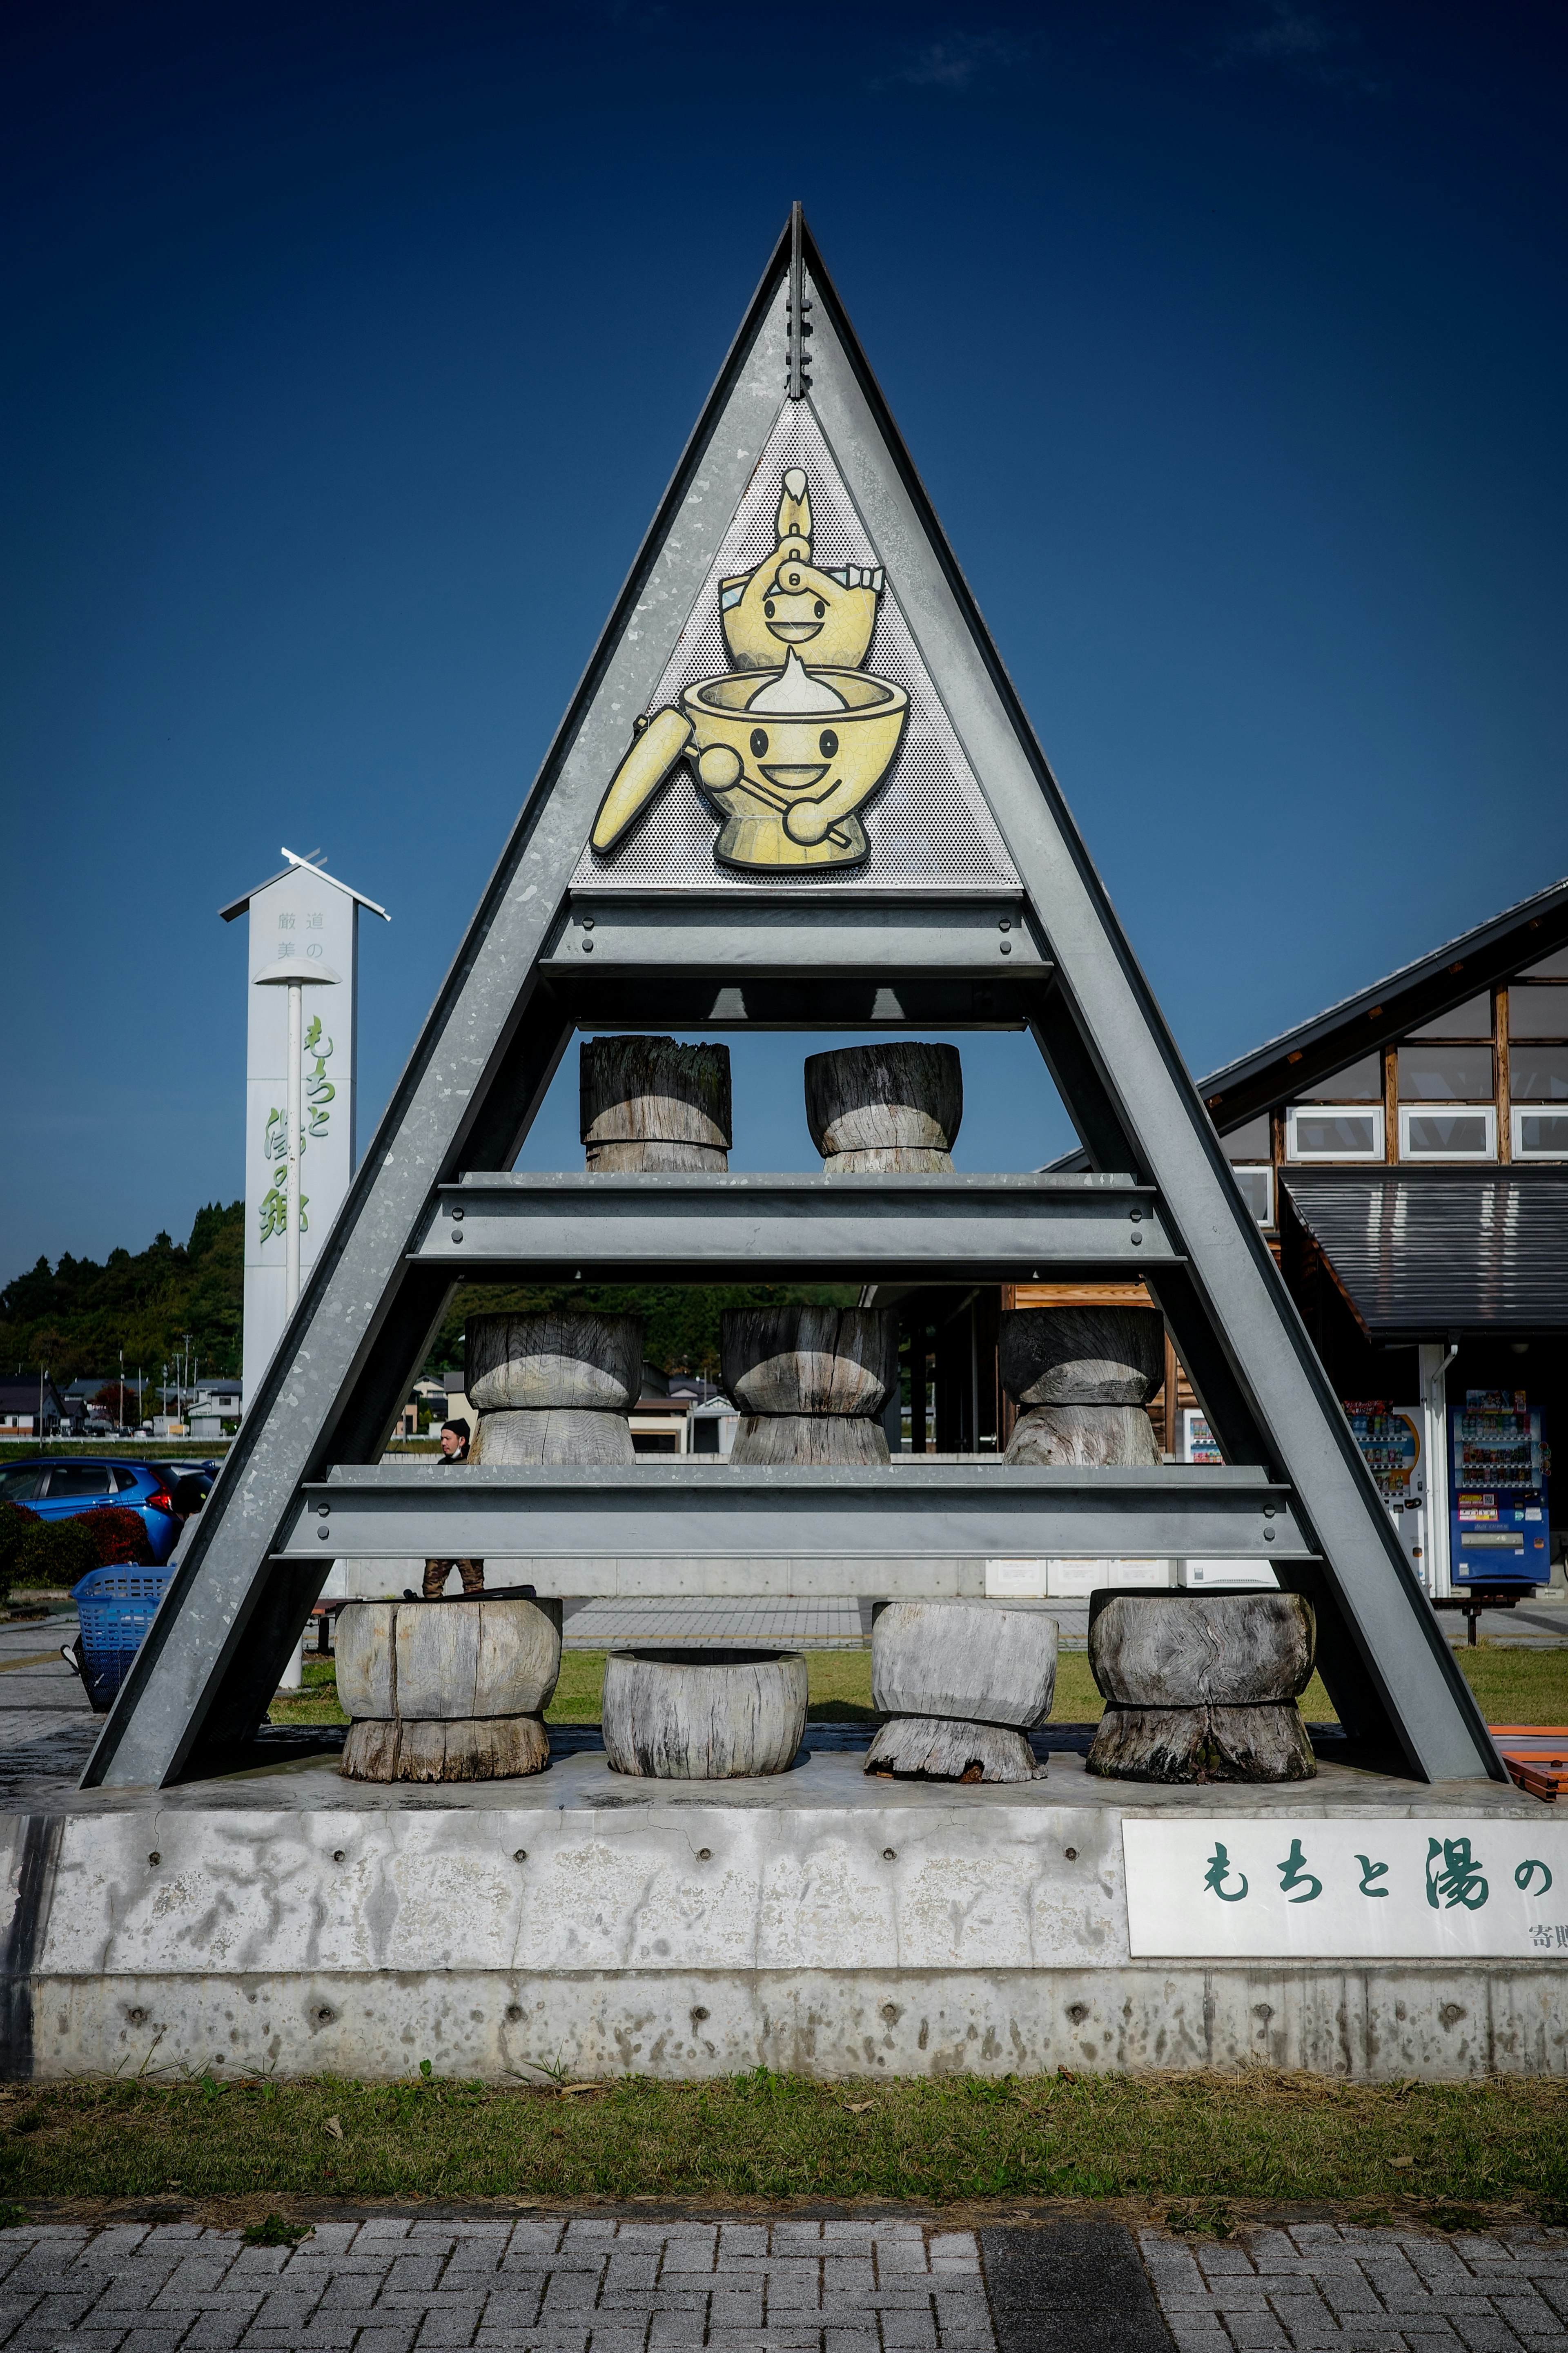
{"x":77,"y":1315}
{"x":119,"y":1403}
{"x":681,"y":1320}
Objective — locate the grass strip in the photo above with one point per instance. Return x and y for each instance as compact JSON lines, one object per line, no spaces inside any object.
{"x":1512,"y":1687}
{"x":1259,"y":2135}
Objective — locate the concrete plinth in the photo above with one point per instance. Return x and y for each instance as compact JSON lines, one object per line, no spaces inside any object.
{"x":281,"y":1918}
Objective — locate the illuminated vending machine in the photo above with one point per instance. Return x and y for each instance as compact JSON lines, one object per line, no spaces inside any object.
{"x":1499,"y":1533}
{"x":1389,"y":1437}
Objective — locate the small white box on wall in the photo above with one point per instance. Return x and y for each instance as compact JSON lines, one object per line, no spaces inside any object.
{"x":1218,"y":1574}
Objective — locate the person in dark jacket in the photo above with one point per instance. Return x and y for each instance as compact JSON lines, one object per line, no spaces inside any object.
{"x":454,"y":1436}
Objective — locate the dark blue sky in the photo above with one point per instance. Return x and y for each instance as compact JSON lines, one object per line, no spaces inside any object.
{"x":349,"y":350}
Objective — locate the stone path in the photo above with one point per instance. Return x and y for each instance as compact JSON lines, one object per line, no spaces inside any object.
{"x":38,"y":1693}
{"x":1079,"y":2283}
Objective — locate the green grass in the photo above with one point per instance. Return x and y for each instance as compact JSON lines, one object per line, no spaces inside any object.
{"x":1512,"y":1687}
{"x":1254,"y":2137}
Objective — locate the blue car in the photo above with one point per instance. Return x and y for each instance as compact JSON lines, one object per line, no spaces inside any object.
{"x":59,"y":1490}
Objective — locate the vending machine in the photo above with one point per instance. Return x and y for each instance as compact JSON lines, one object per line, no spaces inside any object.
{"x":1389,"y":1438}
{"x":1498,"y":1468}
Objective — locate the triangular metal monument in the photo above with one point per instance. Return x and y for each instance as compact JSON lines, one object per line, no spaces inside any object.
{"x":794,"y":790}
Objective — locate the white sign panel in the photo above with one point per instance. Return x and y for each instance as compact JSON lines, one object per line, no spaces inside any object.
{"x":1277,"y":1886}
{"x":1067,"y":1580}
{"x":299,"y":922}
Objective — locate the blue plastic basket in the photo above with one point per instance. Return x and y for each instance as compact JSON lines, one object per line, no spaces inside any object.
{"x":115,"y":1605}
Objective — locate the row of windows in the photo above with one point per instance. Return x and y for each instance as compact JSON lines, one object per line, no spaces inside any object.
{"x":1452,"y":1130}
{"x":1458,"y":1132}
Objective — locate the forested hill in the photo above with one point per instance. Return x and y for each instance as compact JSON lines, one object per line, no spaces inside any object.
{"x":76,"y":1319}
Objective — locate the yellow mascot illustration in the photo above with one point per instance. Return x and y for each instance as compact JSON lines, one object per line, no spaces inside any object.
{"x":787,"y":751}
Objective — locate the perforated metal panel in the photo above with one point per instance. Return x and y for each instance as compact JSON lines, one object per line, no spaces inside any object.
{"x":928,"y":827}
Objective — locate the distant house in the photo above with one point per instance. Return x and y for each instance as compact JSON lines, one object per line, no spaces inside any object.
{"x":23,"y":1402}
{"x":76,"y":1401}
{"x":215,"y":1401}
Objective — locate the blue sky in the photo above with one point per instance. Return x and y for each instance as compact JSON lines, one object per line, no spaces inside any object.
{"x":350,"y":350}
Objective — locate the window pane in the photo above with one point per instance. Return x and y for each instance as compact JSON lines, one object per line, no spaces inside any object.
{"x":1457,"y":1135}
{"x":1445,"y":1073}
{"x":1258,"y":1190}
{"x":1248,"y":1143}
{"x":1537,"y":1073}
{"x":71,"y":1482}
{"x":1471,"y":1020}
{"x":21,"y":1486}
{"x":1545,"y":1132}
{"x":1346,"y":1136}
{"x":1362,"y":1082}
{"x":1538,"y":1013}
{"x":1551,"y":967}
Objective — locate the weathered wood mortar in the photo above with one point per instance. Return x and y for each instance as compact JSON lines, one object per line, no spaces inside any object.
{"x":649,"y":1103}
{"x":1083,"y":1377}
{"x":554,"y":1388}
{"x":891,"y":1108}
{"x":961,"y":1684}
{"x":704,"y":1713}
{"x":445,"y":1690}
{"x":810,"y":1382}
{"x":1201,"y":1686}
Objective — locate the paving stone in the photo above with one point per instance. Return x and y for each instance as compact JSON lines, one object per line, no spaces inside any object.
{"x":1255,"y":2332}
{"x":743,"y":2238}
{"x":1224,"y":2261}
{"x":731,"y":2309}
{"x":446,"y":2328}
{"x":215,"y":2332}
{"x":1195,"y":2336}
{"x":673,"y":2332}
{"x":540,"y":2237}
{"x":844,"y":2272}
{"x":910,"y":2330}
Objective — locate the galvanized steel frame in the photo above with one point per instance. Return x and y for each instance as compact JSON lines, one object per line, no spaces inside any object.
{"x":629,"y":1229}
{"x":916,"y":1528}
{"x":506,"y":1013}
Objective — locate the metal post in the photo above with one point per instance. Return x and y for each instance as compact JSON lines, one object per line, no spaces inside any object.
{"x":296,"y":1118}
{"x":1434,"y":1361}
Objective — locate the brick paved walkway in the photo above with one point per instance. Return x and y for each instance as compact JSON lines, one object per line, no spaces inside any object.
{"x":583,"y":2286}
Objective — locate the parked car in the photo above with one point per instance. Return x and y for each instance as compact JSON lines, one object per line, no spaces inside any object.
{"x":171,"y":1473}
{"x":59,"y":1490}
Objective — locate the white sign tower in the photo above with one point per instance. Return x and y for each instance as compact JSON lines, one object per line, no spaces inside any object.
{"x":301,"y":1051}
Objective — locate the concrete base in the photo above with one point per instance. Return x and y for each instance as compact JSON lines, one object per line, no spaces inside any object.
{"x":281,"y":1918}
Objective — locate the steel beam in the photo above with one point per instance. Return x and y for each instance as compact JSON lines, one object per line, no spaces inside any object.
{"x":711,"y":1228}
{"x":854,"y":1001}
{"x":675,"y":1525}
{"x":851,"y":934}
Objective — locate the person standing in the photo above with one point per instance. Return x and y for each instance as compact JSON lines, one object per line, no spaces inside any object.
{"x":454,"y":1436}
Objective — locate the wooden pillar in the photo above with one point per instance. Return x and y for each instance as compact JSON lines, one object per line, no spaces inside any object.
{"x":891,"y":1108}
{"x":811,"y":1382}
{"x":1201,"y":1686}
{"x":553,"y":1387}
{"x":1085,"y":1376}
{"x":648,"y":1103}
